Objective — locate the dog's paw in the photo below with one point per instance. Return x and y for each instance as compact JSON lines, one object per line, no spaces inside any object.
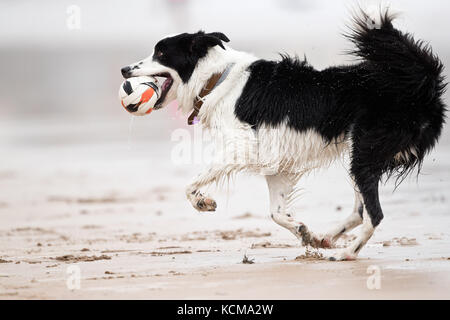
{"x":341,"y":255}
{"x":201,"y":202}
{"x":309,"y":238}
{"x":323,"y":242}
{"x":304,"y":234}
{"x":205,"y":204}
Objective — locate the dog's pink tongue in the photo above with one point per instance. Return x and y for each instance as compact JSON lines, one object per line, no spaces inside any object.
{"x":166,"y":84}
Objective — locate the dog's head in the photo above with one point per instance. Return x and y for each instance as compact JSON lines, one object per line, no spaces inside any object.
{"x":175,"y":59}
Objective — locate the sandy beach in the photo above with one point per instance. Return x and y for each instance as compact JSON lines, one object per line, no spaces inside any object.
{"x":100,"y":201}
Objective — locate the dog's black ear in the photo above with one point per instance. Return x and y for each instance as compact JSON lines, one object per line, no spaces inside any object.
{"x":220,"y":35}
{"x":203,"y":41}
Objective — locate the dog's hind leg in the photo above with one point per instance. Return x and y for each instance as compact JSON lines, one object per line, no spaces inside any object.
{"x":351,"y":222}
{"x":280,"y":188}
{"x":351,"y":252}
{"x":367,"y":171}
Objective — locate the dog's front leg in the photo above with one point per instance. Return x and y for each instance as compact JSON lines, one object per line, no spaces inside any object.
{"x":200,"y":201}
{"x":281,"y":188}
{"x":214,"y":173}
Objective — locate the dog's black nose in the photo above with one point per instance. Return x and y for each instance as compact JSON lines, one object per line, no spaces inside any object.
{"x":126,"y":71}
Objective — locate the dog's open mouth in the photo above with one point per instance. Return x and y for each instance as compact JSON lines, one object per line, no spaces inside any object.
{"x":165,"y":87}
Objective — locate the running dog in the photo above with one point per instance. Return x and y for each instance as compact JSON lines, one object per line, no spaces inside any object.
{"x":284,"y":118}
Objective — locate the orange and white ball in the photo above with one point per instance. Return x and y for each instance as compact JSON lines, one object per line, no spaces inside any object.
{"x":138,"y":95}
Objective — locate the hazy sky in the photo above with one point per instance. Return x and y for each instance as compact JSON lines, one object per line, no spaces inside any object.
{"x":45,"y":21}
{"x":37,"y":49}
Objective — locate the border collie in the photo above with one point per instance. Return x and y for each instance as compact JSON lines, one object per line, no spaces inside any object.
{"x":284,"y":118}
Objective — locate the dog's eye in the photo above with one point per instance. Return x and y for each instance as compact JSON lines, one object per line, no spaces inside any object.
{"x":159,"y":54}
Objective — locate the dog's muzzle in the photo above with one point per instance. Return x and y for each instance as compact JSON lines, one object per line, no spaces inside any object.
{"x":126,"y":72}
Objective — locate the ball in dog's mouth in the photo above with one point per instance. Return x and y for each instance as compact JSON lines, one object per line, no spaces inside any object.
{"x":165,"y":87}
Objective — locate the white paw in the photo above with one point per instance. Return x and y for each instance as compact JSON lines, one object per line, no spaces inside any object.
{"x":309,"y":238}
{"x":201,"y":202}
{"x":324,"y":242}
{"x":205,"y":204}
{"x":341,"y":255}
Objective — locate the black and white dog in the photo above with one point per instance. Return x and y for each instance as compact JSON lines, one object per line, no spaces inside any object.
{"x":285,"y":118}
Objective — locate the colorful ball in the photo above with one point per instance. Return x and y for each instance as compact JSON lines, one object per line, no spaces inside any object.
{"x":138,"y":95}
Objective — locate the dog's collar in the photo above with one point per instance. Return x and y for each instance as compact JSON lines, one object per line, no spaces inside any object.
{"x":213,"y":81}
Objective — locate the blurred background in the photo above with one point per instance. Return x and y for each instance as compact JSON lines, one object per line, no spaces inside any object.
{"x":54,"y":66}
{"x":60,"y":72}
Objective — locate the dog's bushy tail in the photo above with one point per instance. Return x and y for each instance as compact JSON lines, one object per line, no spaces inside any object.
{"x":408,"y":67}
{"x":411,"y":75}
